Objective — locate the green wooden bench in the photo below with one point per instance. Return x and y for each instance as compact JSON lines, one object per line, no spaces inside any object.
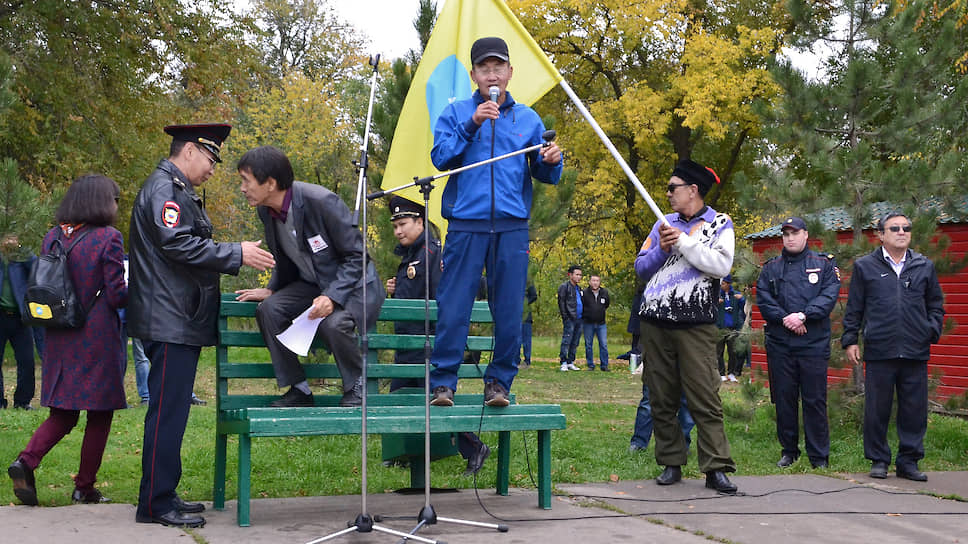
{"x":398,"y":416}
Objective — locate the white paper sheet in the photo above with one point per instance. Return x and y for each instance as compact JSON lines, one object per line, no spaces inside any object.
{"x":299,"y":336}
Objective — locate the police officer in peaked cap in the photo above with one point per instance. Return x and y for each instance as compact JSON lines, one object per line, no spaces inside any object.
{"x":173,"y":291}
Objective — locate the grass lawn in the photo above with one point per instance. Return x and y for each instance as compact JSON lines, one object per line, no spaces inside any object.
{"x":600,"y":408}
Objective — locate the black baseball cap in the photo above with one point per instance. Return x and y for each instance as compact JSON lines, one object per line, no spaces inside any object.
{"x":485,"y":48}
{"x":794,"y":223}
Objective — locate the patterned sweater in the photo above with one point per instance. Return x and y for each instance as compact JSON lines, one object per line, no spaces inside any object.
{"x":683,"y":283}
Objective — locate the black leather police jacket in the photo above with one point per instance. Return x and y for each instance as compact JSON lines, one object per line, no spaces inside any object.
{"x":173,"y":264}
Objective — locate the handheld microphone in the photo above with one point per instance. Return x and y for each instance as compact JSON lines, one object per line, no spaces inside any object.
{"x":494,"y":91}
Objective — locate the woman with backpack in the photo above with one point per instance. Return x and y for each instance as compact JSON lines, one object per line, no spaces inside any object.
{"x":82,"y":367}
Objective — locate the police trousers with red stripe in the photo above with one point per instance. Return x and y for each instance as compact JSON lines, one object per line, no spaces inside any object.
{"x":170,"y":383}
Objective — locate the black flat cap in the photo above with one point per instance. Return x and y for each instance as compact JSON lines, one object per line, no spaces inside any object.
{"x":694,"y":173}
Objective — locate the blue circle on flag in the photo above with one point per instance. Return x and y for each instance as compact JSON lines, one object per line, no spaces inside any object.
{"x":449,"y":82}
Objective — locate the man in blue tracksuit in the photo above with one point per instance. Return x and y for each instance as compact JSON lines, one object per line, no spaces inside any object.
{"x":488,"y":210}
{"x":796,"y":292}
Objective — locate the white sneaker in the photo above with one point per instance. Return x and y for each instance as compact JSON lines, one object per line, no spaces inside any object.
{"x":571,"y":366}
{"x":723,"y":378}
{"x":564,"y":367}
{"x":732,"y":378}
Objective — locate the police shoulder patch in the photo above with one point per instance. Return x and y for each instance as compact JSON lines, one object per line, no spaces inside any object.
{"x":170,"y":214}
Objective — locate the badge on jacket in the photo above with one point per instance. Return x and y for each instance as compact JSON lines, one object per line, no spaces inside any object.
{"x":412,"y":270}
{"x":317,"y":244}
{"x":170,"y":214}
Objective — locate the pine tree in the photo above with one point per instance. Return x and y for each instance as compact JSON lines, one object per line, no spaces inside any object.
{"x":24,"y":211}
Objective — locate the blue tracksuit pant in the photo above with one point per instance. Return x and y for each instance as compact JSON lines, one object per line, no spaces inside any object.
{"x":465,"y":256}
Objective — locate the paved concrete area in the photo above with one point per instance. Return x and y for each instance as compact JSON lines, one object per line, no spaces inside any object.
{"x":769,"y":510}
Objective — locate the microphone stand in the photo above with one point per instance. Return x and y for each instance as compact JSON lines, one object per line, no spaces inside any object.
{"x":428,"y":515}
{"x":364,"y":522}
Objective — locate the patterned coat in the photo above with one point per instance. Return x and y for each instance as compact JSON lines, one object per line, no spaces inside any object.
{"x":82,"y":368}
{"x":683,"y":283}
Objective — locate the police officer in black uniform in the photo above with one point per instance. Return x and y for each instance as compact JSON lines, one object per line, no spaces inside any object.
{"x":796,"y":292}
{"x":173,"y":300}
{"x":409,"y":283}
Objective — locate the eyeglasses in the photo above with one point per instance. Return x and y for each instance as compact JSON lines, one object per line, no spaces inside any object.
{"x":211,"y":159}
{"x":672,"y":186}
{"x":499,"y":70}
{"x":898,"y":228}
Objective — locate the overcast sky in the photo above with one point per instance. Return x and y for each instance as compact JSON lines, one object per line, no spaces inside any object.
{"x":387,"y":24}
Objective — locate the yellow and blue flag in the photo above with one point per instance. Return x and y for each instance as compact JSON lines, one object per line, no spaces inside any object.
{"x":443,"y":76}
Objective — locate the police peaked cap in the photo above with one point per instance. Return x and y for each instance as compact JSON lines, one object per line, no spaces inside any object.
{"x":694,"y":173}
{"x":208,"y":135}
{"x":401,"y":207}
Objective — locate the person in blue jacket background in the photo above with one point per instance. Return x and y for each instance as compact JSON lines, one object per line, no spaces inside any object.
{"x":488,"y":210}
{"x":15,"y":264}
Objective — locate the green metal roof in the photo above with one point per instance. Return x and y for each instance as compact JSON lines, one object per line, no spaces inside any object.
{"x":837,"y":219}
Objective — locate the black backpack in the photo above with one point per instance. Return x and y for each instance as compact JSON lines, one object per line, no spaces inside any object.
{"x":50,"y":300}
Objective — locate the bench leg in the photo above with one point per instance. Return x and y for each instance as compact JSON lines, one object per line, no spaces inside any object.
{"x":544,"y":469}
{"x":503,"y":462}
{"x":218,"y":489}
{"x":416,"y":471}
{"x":245,"y":486}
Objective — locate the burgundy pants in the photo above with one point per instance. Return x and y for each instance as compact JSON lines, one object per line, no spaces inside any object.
{"x":58,"y":424}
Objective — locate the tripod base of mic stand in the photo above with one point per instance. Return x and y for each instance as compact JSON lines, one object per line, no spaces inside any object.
{"x":364,"y":524}
{"x":428,"y":516}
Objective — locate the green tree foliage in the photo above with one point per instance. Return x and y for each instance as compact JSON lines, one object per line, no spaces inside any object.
{"x":305,"y":35}
{"x":96,"y":81}
{"x":667,"y":80}
{"x":24,"y":211}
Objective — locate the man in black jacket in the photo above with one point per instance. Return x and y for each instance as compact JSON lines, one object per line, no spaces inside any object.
{"x":595,"y":301}
{"x":796,"y":292}
{"x":570,"y":307}
{"x":173,"y":301}
{"x":896,"y":300}
{"x":319,"y":256}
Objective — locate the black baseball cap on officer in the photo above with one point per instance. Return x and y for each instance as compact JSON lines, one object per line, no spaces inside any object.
{"x":694,"y":173}
{"x":794,"y":223}
{"x":208,"y":135}
{"x":401,"y":207}
{"x":486,"y":48}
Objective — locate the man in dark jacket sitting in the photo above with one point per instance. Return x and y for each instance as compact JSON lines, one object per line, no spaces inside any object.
{"x":319,"y":265}
{"x":896,"y":300}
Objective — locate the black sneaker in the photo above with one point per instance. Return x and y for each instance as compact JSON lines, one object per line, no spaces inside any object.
{"x":495,"y":395}
{"x":293,"y":398}
{"x":443,"y":396}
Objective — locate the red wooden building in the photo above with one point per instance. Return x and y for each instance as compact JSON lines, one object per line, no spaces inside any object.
{"x":949,"y":358}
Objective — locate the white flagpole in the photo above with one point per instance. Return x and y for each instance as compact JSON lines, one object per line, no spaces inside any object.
{"x":611,"y":149}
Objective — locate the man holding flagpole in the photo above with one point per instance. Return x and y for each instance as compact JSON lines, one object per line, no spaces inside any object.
{"x":488,"y":210}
